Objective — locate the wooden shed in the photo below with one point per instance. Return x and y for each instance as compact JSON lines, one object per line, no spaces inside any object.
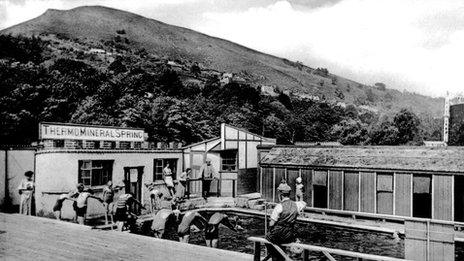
{"x":404,"y":181}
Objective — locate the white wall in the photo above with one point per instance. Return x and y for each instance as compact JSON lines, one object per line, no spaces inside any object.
{"x":58,"y":172}
{"x":2,"y":176}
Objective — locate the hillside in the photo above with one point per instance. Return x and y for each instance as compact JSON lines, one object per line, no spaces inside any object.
{"x":113,"y":31}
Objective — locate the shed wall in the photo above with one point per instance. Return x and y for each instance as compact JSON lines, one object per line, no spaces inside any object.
{"x":368,"y":191}
{"x":442,"y":197}
{"x":335,"y":189}
{"x":403,"y":194}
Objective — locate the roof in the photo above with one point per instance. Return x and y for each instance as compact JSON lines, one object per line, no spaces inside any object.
{"x":201,"y":142}
{"x":446,"y":159}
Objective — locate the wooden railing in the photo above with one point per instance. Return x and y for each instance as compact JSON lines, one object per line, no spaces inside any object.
{"x":327,"y":252}
{"x":195,"y":186}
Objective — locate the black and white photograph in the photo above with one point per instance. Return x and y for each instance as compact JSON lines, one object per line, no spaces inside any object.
{"x":232,"y":130}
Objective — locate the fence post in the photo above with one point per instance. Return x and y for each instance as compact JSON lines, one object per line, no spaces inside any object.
{"x":305,"y":255}
{"x":233,"y":188}
{"x":257,"y":255}
{"x":219,"y":184}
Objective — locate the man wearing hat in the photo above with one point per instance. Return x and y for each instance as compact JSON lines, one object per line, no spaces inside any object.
{"x":283,"y":218}
{"x":25,"y":189}
{"x":208,"y":173}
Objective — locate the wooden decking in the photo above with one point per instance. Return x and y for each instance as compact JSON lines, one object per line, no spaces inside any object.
{"x":34,"y":238}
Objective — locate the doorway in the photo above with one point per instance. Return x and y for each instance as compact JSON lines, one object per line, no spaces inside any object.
{"x":458,"y":198}
{"x":133,"y":184}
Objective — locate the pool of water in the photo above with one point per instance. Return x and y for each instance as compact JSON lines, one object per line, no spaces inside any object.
{"x":310,"y":233}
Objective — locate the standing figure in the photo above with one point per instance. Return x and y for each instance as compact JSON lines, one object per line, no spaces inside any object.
{"x":208,"y":173}
{"x":59,"y":205}
{"x":167,"y":175}
{"x":283,"y":218}
{"x":212,"y":228}
{"x":160,"y":219}
{"x":299,"y":189}
{"x":26,"y":190}
{"x":108,"y":198}
{"x":189,"y":218}
{"x":155,"y":199}
{"x":182,"y":187}
{"x":81,"y":203}
{"x":123,"y":214}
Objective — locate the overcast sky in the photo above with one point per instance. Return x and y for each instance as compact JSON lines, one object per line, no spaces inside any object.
{"x":417,"y":45}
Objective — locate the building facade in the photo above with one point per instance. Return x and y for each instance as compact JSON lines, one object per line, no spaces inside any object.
{"x":401,"y":181}
{"x":93,"y":155}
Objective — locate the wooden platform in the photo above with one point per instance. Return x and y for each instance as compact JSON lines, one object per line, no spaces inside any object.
{"x":35,"y":238}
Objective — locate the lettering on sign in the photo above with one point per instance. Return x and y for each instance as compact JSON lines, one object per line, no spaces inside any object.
{"x":49,"y":131}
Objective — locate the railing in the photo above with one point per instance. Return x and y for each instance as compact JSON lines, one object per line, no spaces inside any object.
{"x":195,"y":186}
{"x":327,"y":252}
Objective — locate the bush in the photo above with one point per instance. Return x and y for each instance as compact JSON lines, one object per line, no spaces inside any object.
{"x":322,"y":72}
{"x":380,"y":86}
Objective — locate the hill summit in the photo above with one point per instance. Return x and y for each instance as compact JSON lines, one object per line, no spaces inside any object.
{"x":98,"y":24}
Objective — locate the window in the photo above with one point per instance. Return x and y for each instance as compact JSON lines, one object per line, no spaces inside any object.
{"x":320,"y":189}
{"x":160,"y":164}
{"x":95,"y":172}
{"x":229,"y":160}
{"x":385,"y":193}
{"x":422,"y":196}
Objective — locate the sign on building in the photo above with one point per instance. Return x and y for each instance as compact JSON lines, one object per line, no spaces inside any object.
{"x":64,"y":131}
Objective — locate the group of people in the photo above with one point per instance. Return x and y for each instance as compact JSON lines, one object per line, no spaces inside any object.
{"x":207,"y":174}
{"x":80,"y":200}
{"x":183,"y":222}
{"x":282,"y":219}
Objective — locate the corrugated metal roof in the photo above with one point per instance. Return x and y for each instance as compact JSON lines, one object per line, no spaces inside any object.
{"x":449,"y":159}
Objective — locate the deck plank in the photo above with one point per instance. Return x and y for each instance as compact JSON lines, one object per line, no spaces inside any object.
{"x":26,"y":238}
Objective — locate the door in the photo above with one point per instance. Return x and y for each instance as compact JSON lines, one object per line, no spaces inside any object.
{"x":133,"y":184}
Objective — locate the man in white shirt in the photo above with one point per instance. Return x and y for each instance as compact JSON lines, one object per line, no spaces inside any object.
{"x":26,"y":189}
{"x":208,"y":173}
{"x":283,"y":218}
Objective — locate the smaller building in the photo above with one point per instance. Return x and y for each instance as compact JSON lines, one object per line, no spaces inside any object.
{"x":234,"y":155}
{"x":404,"y":181}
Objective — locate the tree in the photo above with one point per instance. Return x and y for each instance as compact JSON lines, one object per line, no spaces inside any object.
{"x":276,"y":128}
{"x":350,"y":132}
{"x":456,"y":134}
{"x":407,"y":124}
{"x":370,"y":95}
{"x":384,"y":133}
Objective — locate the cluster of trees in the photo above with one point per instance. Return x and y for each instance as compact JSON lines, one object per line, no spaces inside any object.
{"x":37,"y":88}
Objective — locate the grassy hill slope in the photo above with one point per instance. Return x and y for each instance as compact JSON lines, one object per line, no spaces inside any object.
{"x":97,"y":25}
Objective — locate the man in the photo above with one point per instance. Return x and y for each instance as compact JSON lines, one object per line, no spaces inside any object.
{"x":208,"y":173}
{"x":182,"y":186}
{"x":155,"y":199}
{"x":123,"y":215}
{"x":108,"y":197}
{"x":212,"y":228}
{"x":161,"y":218}
{"x":189,"y":218}
{"x":81,"y":202}
{"x":26,"y":189}
{"x":283,"y":218}
{"x":59,"y":205}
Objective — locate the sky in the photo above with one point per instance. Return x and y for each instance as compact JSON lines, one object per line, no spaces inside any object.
{"x":413,"y":45}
